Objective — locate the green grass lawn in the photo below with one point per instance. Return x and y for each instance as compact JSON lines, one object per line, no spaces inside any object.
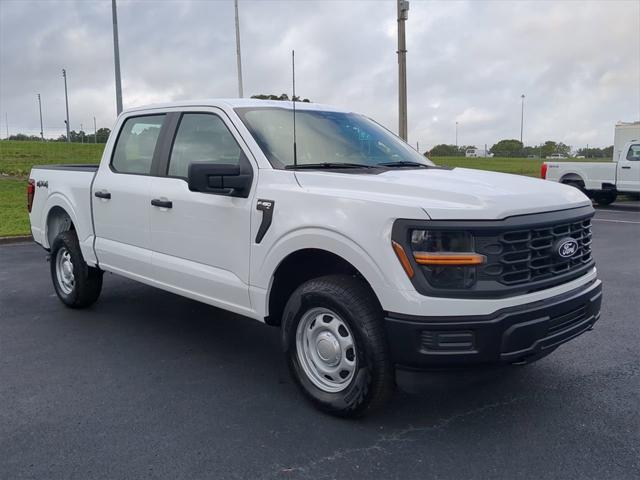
{"x":17,"y":158}
{"x":520,"y":166}
{"x":14,"y":219}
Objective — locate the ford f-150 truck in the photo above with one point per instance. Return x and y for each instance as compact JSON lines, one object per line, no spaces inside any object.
{"x":367,"y":255}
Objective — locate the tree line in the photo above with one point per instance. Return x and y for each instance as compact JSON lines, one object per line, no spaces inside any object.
{"x":75,"y":137}
{"x":515,"y":148}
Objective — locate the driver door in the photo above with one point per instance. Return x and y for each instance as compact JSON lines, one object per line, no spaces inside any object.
{"x":201,"y":241}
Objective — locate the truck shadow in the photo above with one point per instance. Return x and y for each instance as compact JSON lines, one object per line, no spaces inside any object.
{"x":244,"y":358}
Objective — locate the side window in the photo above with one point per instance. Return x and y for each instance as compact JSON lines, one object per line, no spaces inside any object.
{"x":136,"y":144}
{"x":202,"y":137}
{"x":634,"y":153}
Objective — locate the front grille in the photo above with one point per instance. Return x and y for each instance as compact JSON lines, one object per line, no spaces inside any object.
{"x":524,"y":256}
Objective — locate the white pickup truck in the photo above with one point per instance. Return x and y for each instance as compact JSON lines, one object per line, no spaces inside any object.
{"x":602,"y":181}
{"x":367,"y":255}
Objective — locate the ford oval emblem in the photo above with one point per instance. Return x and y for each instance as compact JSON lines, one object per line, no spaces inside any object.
{"x":567,"y":247}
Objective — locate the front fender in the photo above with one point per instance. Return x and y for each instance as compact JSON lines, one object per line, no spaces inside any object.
{"x":321,"y":239}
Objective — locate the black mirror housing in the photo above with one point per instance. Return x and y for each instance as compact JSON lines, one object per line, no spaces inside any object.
{"x":220,"y":179}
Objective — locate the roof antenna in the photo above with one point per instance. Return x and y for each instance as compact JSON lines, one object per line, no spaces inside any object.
{"x":293,"y":69}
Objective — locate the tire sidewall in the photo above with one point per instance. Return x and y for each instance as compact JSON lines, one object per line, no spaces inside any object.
{"x":60,"y":242}
{"x":352,"y":398}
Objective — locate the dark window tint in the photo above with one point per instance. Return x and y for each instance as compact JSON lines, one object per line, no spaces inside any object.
{"x":202,"y":137}
{"x":136,"y":144}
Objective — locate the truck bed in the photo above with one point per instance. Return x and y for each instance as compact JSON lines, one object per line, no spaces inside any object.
{"x":69,"y":188}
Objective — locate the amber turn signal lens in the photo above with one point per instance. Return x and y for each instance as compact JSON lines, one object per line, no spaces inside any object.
{"x":454,"y":259}
{"x":404,"y":260}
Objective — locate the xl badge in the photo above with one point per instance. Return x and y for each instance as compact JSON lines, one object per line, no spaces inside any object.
{"x":566,"y":248}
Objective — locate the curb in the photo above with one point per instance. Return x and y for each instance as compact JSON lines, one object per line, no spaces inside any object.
{"x":16,"y":239}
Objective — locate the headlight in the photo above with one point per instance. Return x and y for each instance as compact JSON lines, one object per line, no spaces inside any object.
{"x":447,"y":258}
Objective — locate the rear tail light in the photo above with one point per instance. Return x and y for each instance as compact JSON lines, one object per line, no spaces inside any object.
{"x":31,"y":191}
{"x":543,"y":171}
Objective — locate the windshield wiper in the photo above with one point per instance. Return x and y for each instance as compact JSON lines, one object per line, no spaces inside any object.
{"x":327,"y":165}
{"x":404,"y":163}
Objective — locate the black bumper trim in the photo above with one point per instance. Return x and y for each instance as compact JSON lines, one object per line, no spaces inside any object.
{"x":509,"y":335}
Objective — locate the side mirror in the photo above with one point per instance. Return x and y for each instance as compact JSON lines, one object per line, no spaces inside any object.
{"x":220,"y":179}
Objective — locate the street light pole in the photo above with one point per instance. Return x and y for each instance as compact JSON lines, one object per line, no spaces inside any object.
{"x":116,"y":57}
{"x":40,"y":109}
{"x":238,"y":57}
{"x":456,"y":134}
{"x":66,"y":102}
{"x":403,"y":15}
{"x":95,"y":131}
{"x":522,"y":119}
{"x":81,"y":134}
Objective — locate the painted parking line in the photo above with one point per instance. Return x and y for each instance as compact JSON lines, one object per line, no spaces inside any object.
{"x":611,"y":210}
{"x":613,"y":221}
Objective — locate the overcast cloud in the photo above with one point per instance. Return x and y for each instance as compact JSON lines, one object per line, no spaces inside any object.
{"x":577,"y":62}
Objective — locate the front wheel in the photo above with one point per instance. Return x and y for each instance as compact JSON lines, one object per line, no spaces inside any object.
{"x":336,"y":345}
{"x":77,"y":284}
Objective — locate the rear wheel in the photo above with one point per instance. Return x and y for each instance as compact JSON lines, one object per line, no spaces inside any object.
{"x":76,"y":284}
{"x":336,"y":346}
{"x":605,"y":198}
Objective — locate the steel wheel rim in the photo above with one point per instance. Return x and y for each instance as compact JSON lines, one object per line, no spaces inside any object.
{"x":326,"y":350}
{"x":64,"y":271}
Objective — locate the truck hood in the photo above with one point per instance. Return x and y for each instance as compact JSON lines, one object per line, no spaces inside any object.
{"x":450,"y":194}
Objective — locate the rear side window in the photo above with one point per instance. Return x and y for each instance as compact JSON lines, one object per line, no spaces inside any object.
{"x":202,"y":137}
{"x":136,"y":144}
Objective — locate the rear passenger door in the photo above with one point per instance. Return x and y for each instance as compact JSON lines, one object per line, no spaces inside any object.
{"x":201,"y":241}
{"x":120,"y":197}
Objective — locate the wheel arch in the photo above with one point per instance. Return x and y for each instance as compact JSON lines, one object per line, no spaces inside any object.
{"x":301,"y":265}
{"x":58,"y":219}
{"x":572,"y":177}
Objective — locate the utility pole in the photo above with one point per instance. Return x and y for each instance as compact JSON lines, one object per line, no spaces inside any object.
{"x":403,"y":15}
{"x":238,"y":57}
{"x":40,"y":108}
{"x":6,"y":123}
{"x":66,"y":102}
{"x":456,"y":134}
{"x":116,"y":57}
{"x":522,"y":118}
{"x":95,"y":131}
{"x":81,"y":134}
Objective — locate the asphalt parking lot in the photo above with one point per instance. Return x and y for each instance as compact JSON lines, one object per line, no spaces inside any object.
{"x":148,"y":384}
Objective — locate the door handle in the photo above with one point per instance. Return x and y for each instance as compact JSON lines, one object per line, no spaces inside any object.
{"x":627,"y":167}
{"x":156,"y":202}
{"x":103,"y":194}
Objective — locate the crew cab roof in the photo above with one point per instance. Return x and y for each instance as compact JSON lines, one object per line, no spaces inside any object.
{"x":236,"y":103}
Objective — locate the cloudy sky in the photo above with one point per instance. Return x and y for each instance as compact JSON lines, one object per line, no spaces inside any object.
{"x":577,"y":62}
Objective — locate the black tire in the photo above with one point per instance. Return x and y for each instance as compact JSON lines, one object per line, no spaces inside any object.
{"x":605,"y":198}
{"x":373,"y":377}
{"x":86,"y":284}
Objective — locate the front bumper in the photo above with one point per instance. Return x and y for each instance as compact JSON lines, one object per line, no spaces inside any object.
{"x":509,"y":335}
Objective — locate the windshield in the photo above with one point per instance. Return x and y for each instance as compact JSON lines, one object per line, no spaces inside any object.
{"x":324,"y":138}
